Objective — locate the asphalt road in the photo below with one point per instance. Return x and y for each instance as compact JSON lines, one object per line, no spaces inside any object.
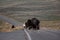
{"x":17,"y":35}
{"x":10,"y":20}
{"x":45,"y":35}
{"x":35,"y":35}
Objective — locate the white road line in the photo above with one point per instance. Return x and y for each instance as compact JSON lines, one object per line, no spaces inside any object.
{"x":29,"y":38}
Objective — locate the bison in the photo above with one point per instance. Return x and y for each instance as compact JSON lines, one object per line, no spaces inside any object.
{"x":32,"y":24}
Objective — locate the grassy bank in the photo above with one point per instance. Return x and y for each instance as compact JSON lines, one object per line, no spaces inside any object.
{"x":6,"y":27}
{"x":55,"y":25}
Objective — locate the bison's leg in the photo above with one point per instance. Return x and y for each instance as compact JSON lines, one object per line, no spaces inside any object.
{"x":34,"y":27}
{"x":37,"y":27}
{"x":30,"y":27}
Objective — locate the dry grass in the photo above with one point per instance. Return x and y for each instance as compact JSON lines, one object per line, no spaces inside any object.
{"x":11,"y":29}
{"x":6,"y":27}
{"x":55,"y":25}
